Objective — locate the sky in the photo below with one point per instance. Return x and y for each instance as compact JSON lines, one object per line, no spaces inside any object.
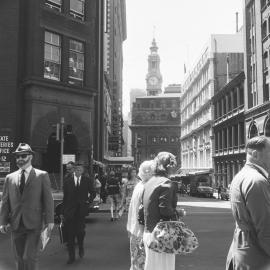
{"x":182,"y":28}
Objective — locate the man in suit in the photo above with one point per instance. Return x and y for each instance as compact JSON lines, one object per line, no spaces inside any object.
{"x":78,"y":191}
{"x":250,"y":203}
{"x":27,"y":205}
{"x":69,"y":169}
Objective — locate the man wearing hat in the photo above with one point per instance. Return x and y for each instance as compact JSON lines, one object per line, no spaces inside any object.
{"x":78,"y":192}
{"x":27,"y":206}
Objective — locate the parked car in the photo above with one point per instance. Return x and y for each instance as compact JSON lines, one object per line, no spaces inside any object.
{"x":225,"y":194}
{"x":202,"y":189}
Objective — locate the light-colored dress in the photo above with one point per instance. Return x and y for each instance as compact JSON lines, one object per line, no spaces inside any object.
{"x":155,"y":260}
{"x":128,"y":187}
{"x":137,"y":251}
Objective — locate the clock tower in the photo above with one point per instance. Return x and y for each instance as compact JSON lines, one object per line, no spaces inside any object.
{"x":153,"y":77}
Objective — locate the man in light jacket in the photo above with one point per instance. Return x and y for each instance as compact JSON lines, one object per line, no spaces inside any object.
{"x":27,"y":205}
{"x":250,"y":203}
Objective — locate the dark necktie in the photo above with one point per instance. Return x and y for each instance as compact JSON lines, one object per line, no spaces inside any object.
{"x":22,"y":181}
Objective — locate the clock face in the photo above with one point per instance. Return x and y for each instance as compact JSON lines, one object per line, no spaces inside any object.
{"x":153,"y":80}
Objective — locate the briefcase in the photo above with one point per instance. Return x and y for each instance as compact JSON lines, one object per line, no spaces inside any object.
{"x":62,"y":229}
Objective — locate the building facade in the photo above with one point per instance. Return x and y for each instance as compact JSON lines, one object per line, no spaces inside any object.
{"x":257,"y":41}
{"x":222,"y":59}
{"x":117,"y":34}
{"x":50,"y":68}
{"x":229,"y":131}
{"x":155,"y":122}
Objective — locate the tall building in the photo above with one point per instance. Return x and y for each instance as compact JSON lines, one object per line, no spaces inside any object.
{"x":155,"y":122}
{"x":153,"y":77}
{"x":221,"y":60}
{"x":229,"y":130}
{"x":50,"y":65}
{"x":116,"y":35}
{"x":257,"y":41}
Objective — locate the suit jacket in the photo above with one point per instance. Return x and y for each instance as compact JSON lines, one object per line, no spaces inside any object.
{"x":77,"y":200}
{"x":35,"y":205}
{"x":159,"y":200}
{"x":250,"y":203}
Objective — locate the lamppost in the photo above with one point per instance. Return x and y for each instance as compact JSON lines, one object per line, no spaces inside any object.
{"x":62,"y":123}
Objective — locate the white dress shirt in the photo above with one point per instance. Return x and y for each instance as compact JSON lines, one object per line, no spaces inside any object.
{"x":77,"y":180}
{"x":26,"y":173}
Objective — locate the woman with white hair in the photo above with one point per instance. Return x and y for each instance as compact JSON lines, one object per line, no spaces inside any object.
{"x":159,"y":201}
{"x":135,"y":230}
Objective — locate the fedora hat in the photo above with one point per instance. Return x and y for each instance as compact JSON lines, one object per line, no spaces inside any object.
{"x":23,"y":148}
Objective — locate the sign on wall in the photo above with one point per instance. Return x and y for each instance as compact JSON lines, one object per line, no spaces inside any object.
{"x":6,"y":147}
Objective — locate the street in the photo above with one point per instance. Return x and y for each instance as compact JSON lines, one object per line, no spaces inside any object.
{"x":107,"y":245}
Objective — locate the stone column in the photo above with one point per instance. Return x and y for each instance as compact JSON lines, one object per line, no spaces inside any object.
{"x":223,"y":140}
{"x":228,"y":137}
{"x":239,"y":134}
{"x":233,"y":169}
{"x":233,"y":132}
{"x":227,"y":104}
{"x":232,"y":106}
{"x":228,"y":178}
{"x":238,"y":96}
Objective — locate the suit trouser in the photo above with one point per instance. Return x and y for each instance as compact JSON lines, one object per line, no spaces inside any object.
{"x":25,"y":245}
{"x":75,"y":229}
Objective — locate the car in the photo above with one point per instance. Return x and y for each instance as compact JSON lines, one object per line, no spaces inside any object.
{"x":225,"y":194}
{"x":202,"y":189}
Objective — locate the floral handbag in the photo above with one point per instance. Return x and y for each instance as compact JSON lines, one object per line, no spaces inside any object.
{"x":173,"y":237}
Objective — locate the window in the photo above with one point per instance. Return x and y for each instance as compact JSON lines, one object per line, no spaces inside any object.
{"x":77,"y":9}
{"x":54,"y":4}
{"x":52,"y":56}
{"x":76,"y":62}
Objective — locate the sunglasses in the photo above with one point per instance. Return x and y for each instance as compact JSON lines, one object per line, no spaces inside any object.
{"x":22,"y":156}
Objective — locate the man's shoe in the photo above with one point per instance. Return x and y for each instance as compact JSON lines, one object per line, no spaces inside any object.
{"x":81,"y":252}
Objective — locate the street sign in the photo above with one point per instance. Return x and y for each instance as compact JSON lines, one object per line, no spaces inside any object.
{"x":68,"y":158}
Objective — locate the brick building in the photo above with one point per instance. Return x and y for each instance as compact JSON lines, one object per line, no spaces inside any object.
{"x":229,"y":130}
{"x":50,"y":67}
{"x":155,"y":122}
{"x":257,"y":55}
{"x":222,"y":58}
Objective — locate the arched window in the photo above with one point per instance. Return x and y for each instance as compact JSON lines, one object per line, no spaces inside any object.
{"x":253,"y":131}
{"x":267,"y":128}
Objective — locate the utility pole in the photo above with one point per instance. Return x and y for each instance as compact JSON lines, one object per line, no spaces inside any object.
{"x":62,"y":123}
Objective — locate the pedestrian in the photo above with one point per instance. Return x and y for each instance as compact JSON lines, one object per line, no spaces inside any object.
{"x":69,"y":169}
{"x":135,"y":230}
{"x":113,"y":191}
{"x":103,"y":181}
{"x":220,"y":187}
{"x":127,"y":190}
{"x":27,"y":205}
{"x":250,"y":203}
{"x":78,"y":191}
{"x":97,"y":187}
{"x":160,"y":201}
